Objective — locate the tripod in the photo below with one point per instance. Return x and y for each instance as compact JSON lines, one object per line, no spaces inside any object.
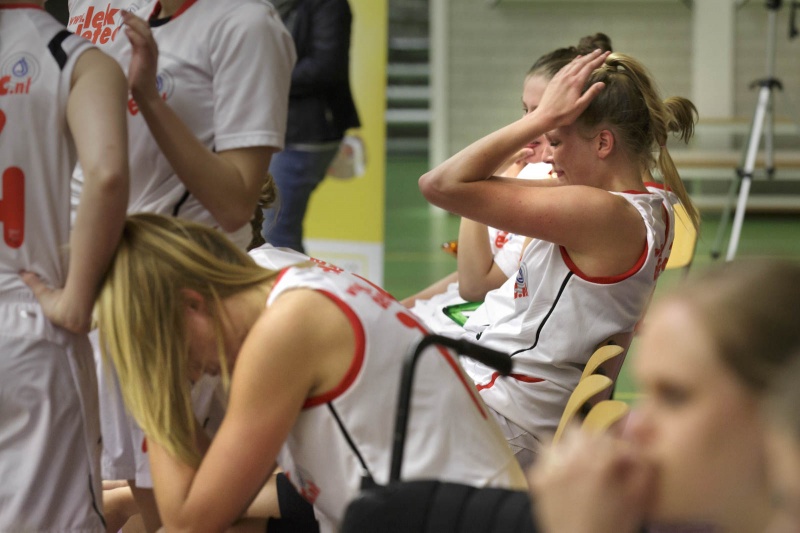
{"x":763,"y":122}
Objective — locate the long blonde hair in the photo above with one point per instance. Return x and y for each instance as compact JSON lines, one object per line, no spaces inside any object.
{"x":631,"y":106}
{"x":140,"y":313}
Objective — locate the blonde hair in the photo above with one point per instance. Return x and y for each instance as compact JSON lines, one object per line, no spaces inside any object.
{"x":140,"y":313}
{"x":631,"y":107}
{"x":750,"y":308}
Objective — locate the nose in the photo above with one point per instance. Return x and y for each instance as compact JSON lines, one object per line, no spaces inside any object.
{"x":639,"y":426}
{"x":547,"y":156}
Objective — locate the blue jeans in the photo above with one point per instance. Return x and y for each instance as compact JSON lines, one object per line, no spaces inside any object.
{"x":297,"y":173}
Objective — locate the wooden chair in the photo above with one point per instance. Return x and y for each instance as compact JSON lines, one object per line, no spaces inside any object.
{"x":685,"y":242}
{"x":607,"y":360}
{"x":587,"y":389}
{"x":602,"y":359}
{"x":604,"y":415}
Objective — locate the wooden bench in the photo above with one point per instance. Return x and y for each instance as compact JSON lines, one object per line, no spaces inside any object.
{"x":699,"y":165}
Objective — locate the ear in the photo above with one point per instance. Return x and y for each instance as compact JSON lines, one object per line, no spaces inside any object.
{"x":605,"y":142}
{"x":193,"y":301}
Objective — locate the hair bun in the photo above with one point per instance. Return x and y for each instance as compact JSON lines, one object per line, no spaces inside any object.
{"x":592,"y":42}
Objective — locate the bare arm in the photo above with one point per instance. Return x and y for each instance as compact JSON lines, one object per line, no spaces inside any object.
{"x":477,"y":271}
{"x":437,"y":287}
{"x":462,"y":183}
{"x":282,"y":362}
{"x":602,"y":232}
{"x":227,"y":183}
{"x":98,"y":90}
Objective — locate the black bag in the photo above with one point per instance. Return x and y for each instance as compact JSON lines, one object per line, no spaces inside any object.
{"x":431,"y":506}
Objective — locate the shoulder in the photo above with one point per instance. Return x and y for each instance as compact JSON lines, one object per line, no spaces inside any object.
{"x":305,"y":312}
{"x":246,"y":12}
{"x":97,"y":65}
{"x":303,"y":325}
{"x":244,"y":20}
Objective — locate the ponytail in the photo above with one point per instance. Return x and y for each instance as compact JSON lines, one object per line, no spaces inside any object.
{"x":642,"y":122}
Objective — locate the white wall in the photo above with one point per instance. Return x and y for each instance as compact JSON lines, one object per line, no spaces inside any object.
{"x":489,"y":48}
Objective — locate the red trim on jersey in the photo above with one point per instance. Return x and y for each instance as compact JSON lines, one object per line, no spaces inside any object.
{"x":518,"y":377}
{"x":459,"y":373}
{"x":186,"y":5}
{"x":605,"y":280}
{"x":20,"y":6}
{"x":636,"y":192}
{"x":655,"y":185}
{"x":281,"y":273}
{"x":412,"y":323}
{"x":358,"y":357}
{"x":376,"y":287}
{"x":157,"y":9}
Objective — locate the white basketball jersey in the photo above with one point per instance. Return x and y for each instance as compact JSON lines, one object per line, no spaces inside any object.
{"x":37,"y":153}
{"x":98,"y":21}
{"x":451,"y":436}
{"x":550,"y":317}
{"x":445,"y":312}
{"x":225,"y":69}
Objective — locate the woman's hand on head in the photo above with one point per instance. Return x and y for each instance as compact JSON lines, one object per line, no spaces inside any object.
{"x":591,"y":483}
{"x":564,"y":100}
{"x":144,"y":58}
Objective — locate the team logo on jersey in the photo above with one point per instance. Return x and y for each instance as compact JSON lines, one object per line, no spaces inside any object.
{"x":165,"y":85}
{"x":100,"y":26}
{"x":17,"y":73}
{"x":501,"y":239}
{"x":521,"y":282}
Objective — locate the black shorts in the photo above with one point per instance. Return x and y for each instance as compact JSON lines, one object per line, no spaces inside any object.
{"x":297,"y":515}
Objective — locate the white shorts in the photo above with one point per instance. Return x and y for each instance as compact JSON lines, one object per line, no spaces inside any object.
{"x":432,"y":311}
{"x":524,"y":446}
{"x":124,"y":452}
{"x":49,"y":428}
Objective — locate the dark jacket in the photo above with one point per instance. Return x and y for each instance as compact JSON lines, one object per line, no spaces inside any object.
{"x":321,"y":107}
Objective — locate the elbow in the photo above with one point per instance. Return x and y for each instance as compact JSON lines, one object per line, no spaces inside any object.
{"x":234,"y":219}
{"x":110,"y":182}
{"x":433,"y":187}
{"x":471,"y":294}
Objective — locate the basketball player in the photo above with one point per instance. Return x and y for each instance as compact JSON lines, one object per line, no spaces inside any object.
{"x":600,"y":237}
{"x":314,"y":354}
{"x":204,"y":119}
{"x":60,"y":100}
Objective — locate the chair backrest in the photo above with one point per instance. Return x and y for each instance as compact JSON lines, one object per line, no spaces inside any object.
{"x":586,"y":390}
{"x":601,"y":358}
{"x":685,"y":242}
{"x":607,"y":360}
{"x":604,"y":415}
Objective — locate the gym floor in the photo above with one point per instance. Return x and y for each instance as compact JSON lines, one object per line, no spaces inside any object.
{"x":415,"y":232}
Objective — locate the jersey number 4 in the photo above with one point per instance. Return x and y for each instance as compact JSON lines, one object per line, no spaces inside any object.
{"x":12,"y":201}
